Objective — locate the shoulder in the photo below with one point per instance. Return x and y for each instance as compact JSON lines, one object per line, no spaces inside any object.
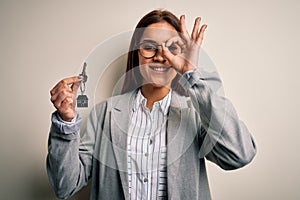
{"x":116,"y":101}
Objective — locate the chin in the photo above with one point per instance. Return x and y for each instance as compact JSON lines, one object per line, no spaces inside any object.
{"x":160,"y":84}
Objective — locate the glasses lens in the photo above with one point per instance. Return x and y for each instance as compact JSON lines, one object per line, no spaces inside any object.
{"x":148,"y":49}
{"x":174,"y":49}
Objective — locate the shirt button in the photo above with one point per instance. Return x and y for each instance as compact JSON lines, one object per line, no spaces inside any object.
{"x":145,"y":180}
{"x":146,"y":154}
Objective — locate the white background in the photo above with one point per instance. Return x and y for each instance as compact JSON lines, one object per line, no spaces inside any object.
{"x":254,"y":45}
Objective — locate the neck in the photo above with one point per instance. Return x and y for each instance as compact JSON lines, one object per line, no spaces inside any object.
{"x":153,"y":94}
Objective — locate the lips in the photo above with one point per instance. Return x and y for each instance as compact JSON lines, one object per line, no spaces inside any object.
{"x":160,"y":68}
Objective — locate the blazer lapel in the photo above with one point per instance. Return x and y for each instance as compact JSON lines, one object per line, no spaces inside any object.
{"x":176,"y":123}
{"x":120,"y":117}
{"x":177,"y":140}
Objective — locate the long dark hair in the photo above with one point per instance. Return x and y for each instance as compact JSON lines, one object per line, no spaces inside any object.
{"x":133,"y":78}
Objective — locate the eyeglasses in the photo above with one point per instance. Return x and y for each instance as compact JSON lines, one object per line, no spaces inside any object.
{"x":149,"y":49}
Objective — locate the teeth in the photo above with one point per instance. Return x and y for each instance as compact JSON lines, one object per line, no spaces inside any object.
{"x":160,"y":69}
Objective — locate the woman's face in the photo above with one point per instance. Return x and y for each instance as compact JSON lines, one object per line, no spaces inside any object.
{"x":157,"y":71}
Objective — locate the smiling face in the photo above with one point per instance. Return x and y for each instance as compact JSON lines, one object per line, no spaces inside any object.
{"x":157,"y":71}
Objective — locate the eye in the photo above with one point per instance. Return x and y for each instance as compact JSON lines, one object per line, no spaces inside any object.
{"x":148,"y":46}
{"x":174,"y":48}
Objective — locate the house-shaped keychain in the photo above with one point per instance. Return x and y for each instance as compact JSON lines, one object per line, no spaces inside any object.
{"x":82,"y":101}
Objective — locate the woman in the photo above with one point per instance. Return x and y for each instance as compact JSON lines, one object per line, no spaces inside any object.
{"x":151,"y":142}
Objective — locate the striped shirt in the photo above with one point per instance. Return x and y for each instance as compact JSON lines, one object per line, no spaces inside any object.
{"x":146,"y":148}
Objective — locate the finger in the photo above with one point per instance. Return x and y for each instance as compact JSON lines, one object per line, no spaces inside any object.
{"x":75,"y":87}
{"x":61,"y":97}
{"x":167,"y":54}
{"x":178,"y":40}
{"x":67,"y":111}
{"x":72,"y":80}
{"x":66,"y":81}
{"x":183,"y":30}
{"x":64,"y":85}
{"x":67,"y":102}
{"x":196,"y":28}
{"x":201,"y":34}
{"x":61,"y":88}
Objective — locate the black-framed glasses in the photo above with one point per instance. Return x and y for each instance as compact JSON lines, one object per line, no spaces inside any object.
{"x":149,"y":49}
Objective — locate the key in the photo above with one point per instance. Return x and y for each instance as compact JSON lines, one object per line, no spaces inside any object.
{"x":82,"y":100}
{"x":83,"y":73}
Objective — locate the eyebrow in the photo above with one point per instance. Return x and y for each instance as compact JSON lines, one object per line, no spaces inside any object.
{"x":150,"y":41}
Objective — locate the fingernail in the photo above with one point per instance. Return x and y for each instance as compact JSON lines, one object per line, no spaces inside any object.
{"x":80,"y":77}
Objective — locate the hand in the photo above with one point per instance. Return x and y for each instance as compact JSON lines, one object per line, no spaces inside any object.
{"x":63,"y":97}
{"x":190,"y":47}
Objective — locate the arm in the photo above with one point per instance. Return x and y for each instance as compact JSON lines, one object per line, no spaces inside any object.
{"x":69,"y":160}
{"x":226,"y":140}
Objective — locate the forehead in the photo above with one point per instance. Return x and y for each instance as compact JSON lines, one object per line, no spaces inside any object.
{"x":159,"y":32}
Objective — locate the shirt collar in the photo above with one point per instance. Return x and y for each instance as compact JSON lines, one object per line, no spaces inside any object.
{"x":164,"y":103}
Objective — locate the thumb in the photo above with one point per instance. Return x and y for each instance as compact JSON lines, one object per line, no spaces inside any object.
{"x":76,"y":84}
{"x":172,"y":59}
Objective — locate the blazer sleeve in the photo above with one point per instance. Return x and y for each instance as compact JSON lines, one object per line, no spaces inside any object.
{"x":225,"y":139}
{"x":69,"y":159}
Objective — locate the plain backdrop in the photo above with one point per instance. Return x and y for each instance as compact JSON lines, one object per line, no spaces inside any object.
{"x":254,"y":45}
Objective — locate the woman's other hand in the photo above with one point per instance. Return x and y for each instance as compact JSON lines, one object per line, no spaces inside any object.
{"x":63,"y":97}
{"x":190,"y":47}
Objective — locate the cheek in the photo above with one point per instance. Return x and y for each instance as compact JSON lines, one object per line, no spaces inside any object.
{"x":174,"y":73}
{"x":143,"y":61}
{"x":143,"y":67}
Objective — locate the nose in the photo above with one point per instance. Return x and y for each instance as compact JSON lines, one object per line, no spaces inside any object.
{"x":159,"y":56}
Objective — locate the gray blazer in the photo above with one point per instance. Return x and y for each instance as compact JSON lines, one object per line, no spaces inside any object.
{"x":199,"y":127}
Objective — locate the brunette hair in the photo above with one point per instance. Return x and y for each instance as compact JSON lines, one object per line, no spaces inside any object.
{"x":133,"y":78}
